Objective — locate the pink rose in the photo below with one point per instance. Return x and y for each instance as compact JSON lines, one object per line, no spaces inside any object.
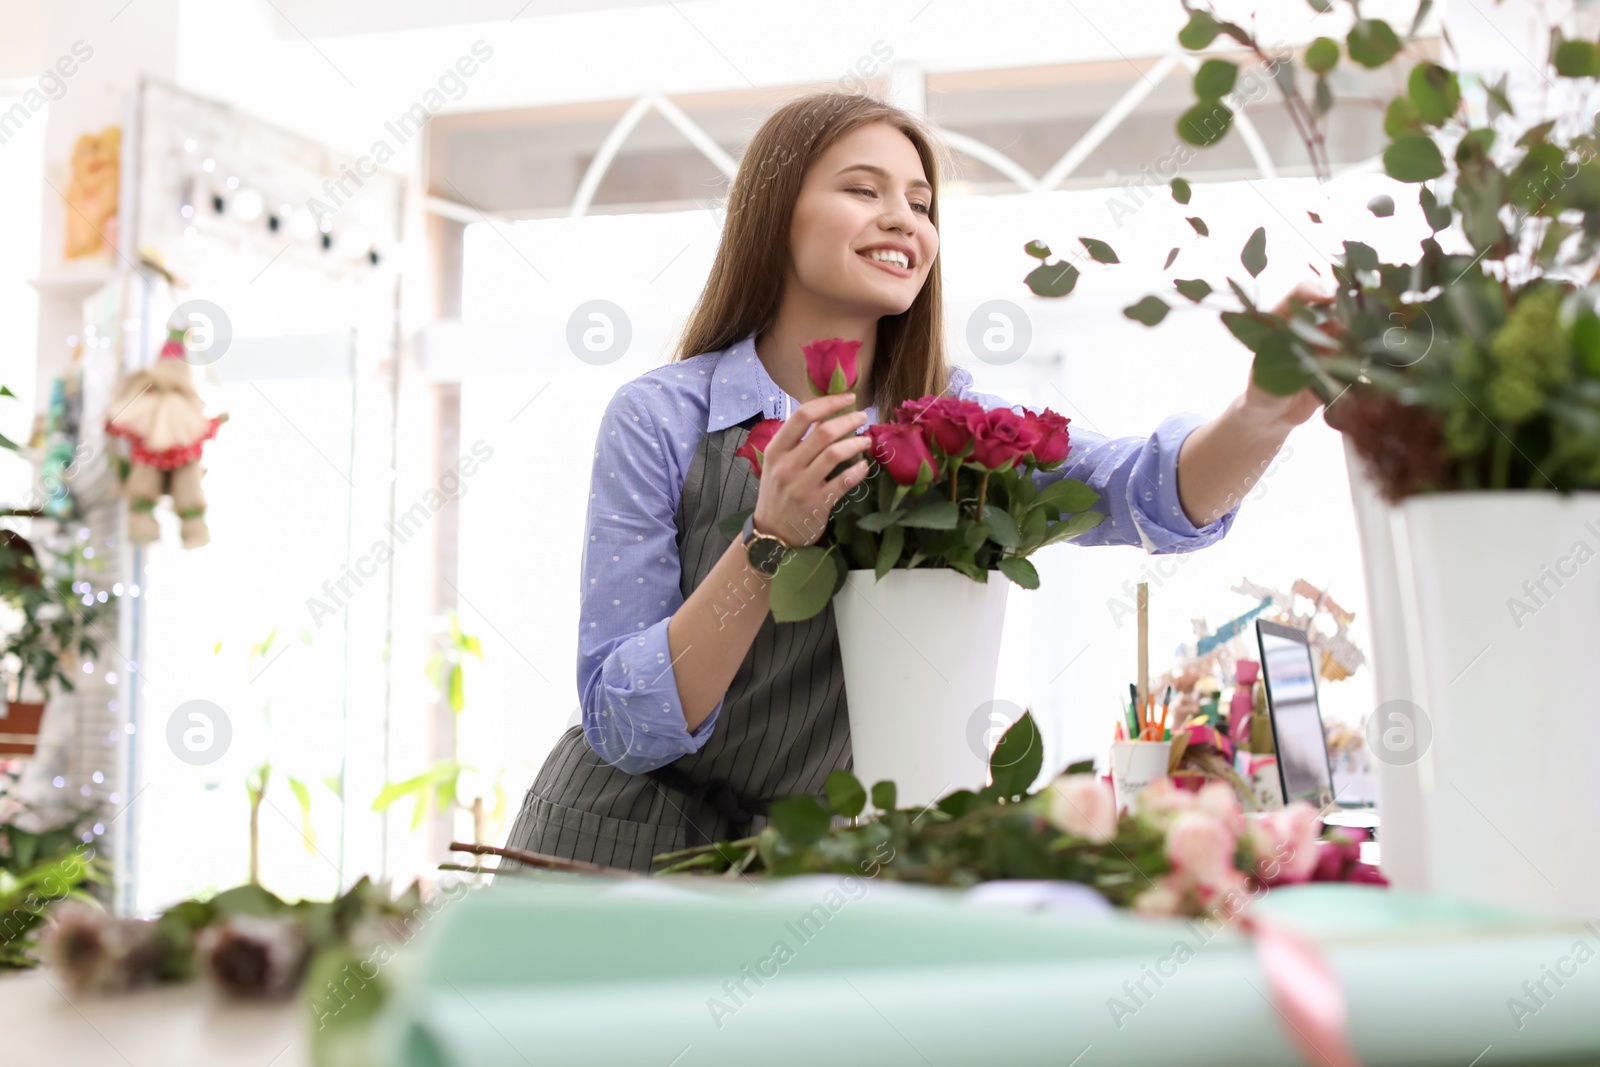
{"x":1201,"y":848}
{"x":1002,"y":438}
{"x":902,"y":450}
{"x":1285,"y":843}
{"x":1220,"y":801}
{"x":1053,"y":444}
{"x":951,"y":423}
{"x":1163,"y":898}
{"x":754,"y":448}
{"x":1083,"y":805}
{"x":1162,"y":798}
{"x":831,"y":365}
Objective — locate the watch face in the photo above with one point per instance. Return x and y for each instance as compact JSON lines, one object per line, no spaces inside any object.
{"x":765,"y":553}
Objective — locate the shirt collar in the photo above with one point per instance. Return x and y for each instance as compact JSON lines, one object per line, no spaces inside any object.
{"x":741,"y":388}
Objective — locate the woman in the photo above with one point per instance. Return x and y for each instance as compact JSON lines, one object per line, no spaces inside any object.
{"x":698,"y":708}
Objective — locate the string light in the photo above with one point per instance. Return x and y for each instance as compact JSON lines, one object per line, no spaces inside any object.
{"x":58,"y":781}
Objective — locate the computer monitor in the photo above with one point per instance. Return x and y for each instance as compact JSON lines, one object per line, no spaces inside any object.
{"x":1289,"y":669}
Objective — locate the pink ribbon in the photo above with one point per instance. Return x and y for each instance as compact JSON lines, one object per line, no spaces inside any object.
{"x":1305,"y":992}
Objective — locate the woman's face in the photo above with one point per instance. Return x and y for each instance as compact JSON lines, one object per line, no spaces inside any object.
{"x":866,"y":193}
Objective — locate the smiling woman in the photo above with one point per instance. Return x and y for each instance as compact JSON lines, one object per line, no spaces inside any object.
{"x":693,"y":696}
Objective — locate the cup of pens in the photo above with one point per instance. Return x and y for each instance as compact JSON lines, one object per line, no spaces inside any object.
{"x":1141,"y":752}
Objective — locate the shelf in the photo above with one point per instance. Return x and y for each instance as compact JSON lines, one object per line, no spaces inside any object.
{"x":76,"y":279}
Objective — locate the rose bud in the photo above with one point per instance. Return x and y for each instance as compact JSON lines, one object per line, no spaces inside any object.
{"x":831,"y":365}
{"x":902,"y":450}
{"x":754,"y":448}
{"x":250,"y":956}
{"x":951,"y":423}
{"x":1201,"y":847}
{"x":1083,"y":805}
{"x":1002,"y":438}
{"x":1053,"y":444}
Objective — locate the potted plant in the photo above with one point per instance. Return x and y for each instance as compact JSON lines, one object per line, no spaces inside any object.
{"x":953,"y":494}
{"x":1466,"y":381}
{"x":46,"y":625}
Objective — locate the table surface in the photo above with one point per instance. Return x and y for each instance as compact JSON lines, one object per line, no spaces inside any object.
{"x":165,"y":1026}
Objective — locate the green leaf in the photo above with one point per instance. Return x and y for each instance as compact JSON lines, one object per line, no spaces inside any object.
{"x":1322,"y":7}
{"x":1577,"y":59}
{"x":1322,"y":55}
{"x":1436,"y":91}
{"x":1081,"y":522}
{"x":1180,"y":190}
{"x":1402,"y":118}
{"x":458,"y":699}
{"x":1196,"y":289}
{"x":1037,"y":249}
{"x":1150,"y":311}
{"x":802,"y":820}
{"x":1066,"y":495}
{"x":845,"y":794}
{"x":1215,"y":79}
{"x":1322,"y":97}
{"x":934,"y":515}
{"x":1438,"y":216}
{"x":1372,"y":43}
{"x":1017,"y":758}
{"x":1052,"y":279}
{"x":878,"y":521}
{"x":803,"y":585}
{"x":11,"y":446}
{"x":1359,"y":256}
{"x":889,"y":549}
{"x":1413,"y":159}
{"x":1200,"y":31}
{"x":1002,"y":527}
{"x":1200,"y":226}
{"x":1019,"y":570}
{"x":1172,"y":255}
{"x":959,"y":803}
{"x":1499,"y":102}
{"x":1254,"y":256}
{"x":732,"y":525}
{"x":1099,"y":251}
{"x":6,"y":391}
{"x":1205,"y":123}
{"x":883,"y":796}
{"x":1381,"y":205}
{"x":1422,"y":12}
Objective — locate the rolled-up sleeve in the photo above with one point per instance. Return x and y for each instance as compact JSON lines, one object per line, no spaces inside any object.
{"x":1136,"y":478}
{"x":632,"y":716}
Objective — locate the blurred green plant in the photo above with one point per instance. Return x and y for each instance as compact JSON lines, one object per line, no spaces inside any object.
{"x":40,"y":867}
{"x":440,"y":786}
{"x":1472,"y":368}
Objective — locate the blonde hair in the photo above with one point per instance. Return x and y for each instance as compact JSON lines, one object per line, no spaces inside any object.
{"x":742,"y":293}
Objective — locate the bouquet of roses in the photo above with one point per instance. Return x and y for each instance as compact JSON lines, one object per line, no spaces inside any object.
{"x":950,"y":484}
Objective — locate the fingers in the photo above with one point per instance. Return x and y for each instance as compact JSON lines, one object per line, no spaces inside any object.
{"x":796,"y":425}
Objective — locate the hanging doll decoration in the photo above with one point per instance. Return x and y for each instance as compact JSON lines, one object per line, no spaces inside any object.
{"x":158,"y":410}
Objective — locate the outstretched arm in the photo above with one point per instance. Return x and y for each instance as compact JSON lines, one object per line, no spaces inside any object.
{"x":1222,"y":460}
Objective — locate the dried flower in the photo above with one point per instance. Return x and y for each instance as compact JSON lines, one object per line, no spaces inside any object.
{"x":100,"y":953}
{"x":250,"y":956}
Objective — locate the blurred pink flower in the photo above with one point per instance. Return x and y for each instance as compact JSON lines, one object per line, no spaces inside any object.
{"x":1201,"y":847}
{"x":1083,"y":805}
{"x":1161,"y":799}
{"x":1163,"y":898}
{"x":1219,"y":799}
{"x":1285,"y":843}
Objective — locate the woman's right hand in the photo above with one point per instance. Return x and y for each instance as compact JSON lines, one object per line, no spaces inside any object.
{"x":797,"y":496}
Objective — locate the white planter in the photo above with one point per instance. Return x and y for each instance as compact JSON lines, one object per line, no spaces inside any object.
{"x":1494,"y":798}
{"x":921,"y":649}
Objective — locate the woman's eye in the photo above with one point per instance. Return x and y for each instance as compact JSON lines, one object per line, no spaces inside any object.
{"x":916,"y":205}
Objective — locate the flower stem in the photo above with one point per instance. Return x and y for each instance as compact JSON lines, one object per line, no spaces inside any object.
{"x":1502,"y":462}
{"x":983,"y":493}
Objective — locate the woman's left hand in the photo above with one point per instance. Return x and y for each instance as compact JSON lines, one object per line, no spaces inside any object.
{"x":1298,"y":407}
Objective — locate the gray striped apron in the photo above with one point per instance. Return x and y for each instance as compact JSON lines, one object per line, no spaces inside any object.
{"x":783,"y":727}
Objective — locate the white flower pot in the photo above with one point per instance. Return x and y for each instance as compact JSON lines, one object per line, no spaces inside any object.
{"x":921,"y":649}
{"x":1486,"y":784}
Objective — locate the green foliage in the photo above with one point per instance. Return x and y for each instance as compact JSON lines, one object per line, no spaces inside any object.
{"x":54,"y":629}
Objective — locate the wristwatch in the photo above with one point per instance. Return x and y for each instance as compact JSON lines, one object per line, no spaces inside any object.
{"x":763,"y":550}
